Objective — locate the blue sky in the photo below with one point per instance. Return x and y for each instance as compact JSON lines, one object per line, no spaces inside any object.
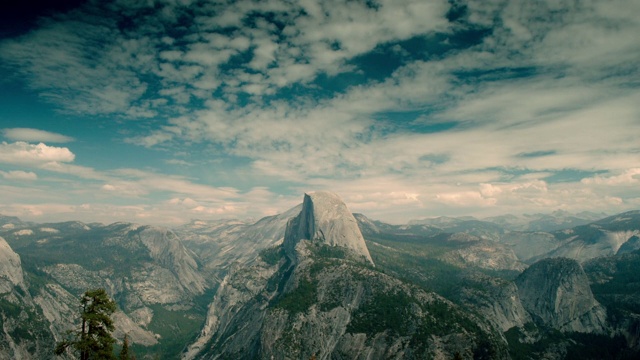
{"x":165,"y":111}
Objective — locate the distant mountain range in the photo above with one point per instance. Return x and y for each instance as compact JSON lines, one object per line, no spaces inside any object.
{"x":557,"y":220}
{"x":318,"y":281}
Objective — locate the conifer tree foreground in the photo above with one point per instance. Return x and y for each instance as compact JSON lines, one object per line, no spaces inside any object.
{"x":93,"y":340}
{"x":124,"y":352}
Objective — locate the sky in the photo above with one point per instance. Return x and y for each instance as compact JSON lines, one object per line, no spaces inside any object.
{"x":163,"y":111}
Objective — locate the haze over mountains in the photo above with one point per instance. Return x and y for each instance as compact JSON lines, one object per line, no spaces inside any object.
{"x":320,"y":281}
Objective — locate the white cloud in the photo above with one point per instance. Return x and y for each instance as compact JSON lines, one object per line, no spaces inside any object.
{"x":628,"y":177}
{"x":178,"y":162}
{"x":125,"y":189}
{"x":34,"y":135}
{"x":223,"y":210}
{"x":19,"y":175}
{"x":552,"y":88}
{"x":105,"y":72}
{"x":196,"y":209}
{"x":152,"y":139}
{"x":187,"y":202}
{"x":173,"y":211}
{"x":82,"y":172}
{"x":36,"y":210}
{"x":86,"y":54}
{"x":21,"y":152}
{"x":465,"y":199}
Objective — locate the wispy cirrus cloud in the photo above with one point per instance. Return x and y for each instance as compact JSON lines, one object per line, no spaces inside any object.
{"x":19,"y":175}
{"x":34,"y":135}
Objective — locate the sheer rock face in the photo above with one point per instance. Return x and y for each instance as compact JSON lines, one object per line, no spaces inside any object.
{"x":325,"y":218}
{"x":167,"y":250}
{"x":631,"y":245}
{"x":10,"y":265}
{"x":557,"y":293}
{"x":497,"y":300}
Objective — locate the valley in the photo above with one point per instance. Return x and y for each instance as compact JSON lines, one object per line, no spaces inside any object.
{"x":319,"y":281}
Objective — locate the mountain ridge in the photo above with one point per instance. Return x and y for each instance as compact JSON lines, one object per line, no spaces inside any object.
{"x":214,"y":277}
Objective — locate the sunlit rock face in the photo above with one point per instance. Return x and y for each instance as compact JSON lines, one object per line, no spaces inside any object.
{"x":23,"y":329}
{"x":10,"y":265}
{"x":325,"y":219}
{"x":557,"y":293}
{"x":167,"y":250}
{"x":496,"y":299}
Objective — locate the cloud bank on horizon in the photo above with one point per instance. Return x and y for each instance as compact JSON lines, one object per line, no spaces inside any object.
{"x":162,"y":111}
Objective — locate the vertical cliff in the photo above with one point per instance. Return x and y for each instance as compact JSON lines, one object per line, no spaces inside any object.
{"x":10,"y":267}
{"x":325,"y":219}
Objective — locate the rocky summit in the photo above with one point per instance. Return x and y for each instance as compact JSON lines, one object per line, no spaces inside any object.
{"x":325,"y":219}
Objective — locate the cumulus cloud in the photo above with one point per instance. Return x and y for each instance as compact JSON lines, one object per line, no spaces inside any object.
{"x":21,"y":152}
{"x":628,"y":177}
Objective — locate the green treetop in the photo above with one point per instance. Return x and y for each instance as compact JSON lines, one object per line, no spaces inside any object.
{"x":93,"y":341}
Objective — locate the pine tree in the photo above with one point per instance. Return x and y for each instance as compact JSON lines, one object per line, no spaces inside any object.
{"x":124,"y":353}
{"x":93,"y":341}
